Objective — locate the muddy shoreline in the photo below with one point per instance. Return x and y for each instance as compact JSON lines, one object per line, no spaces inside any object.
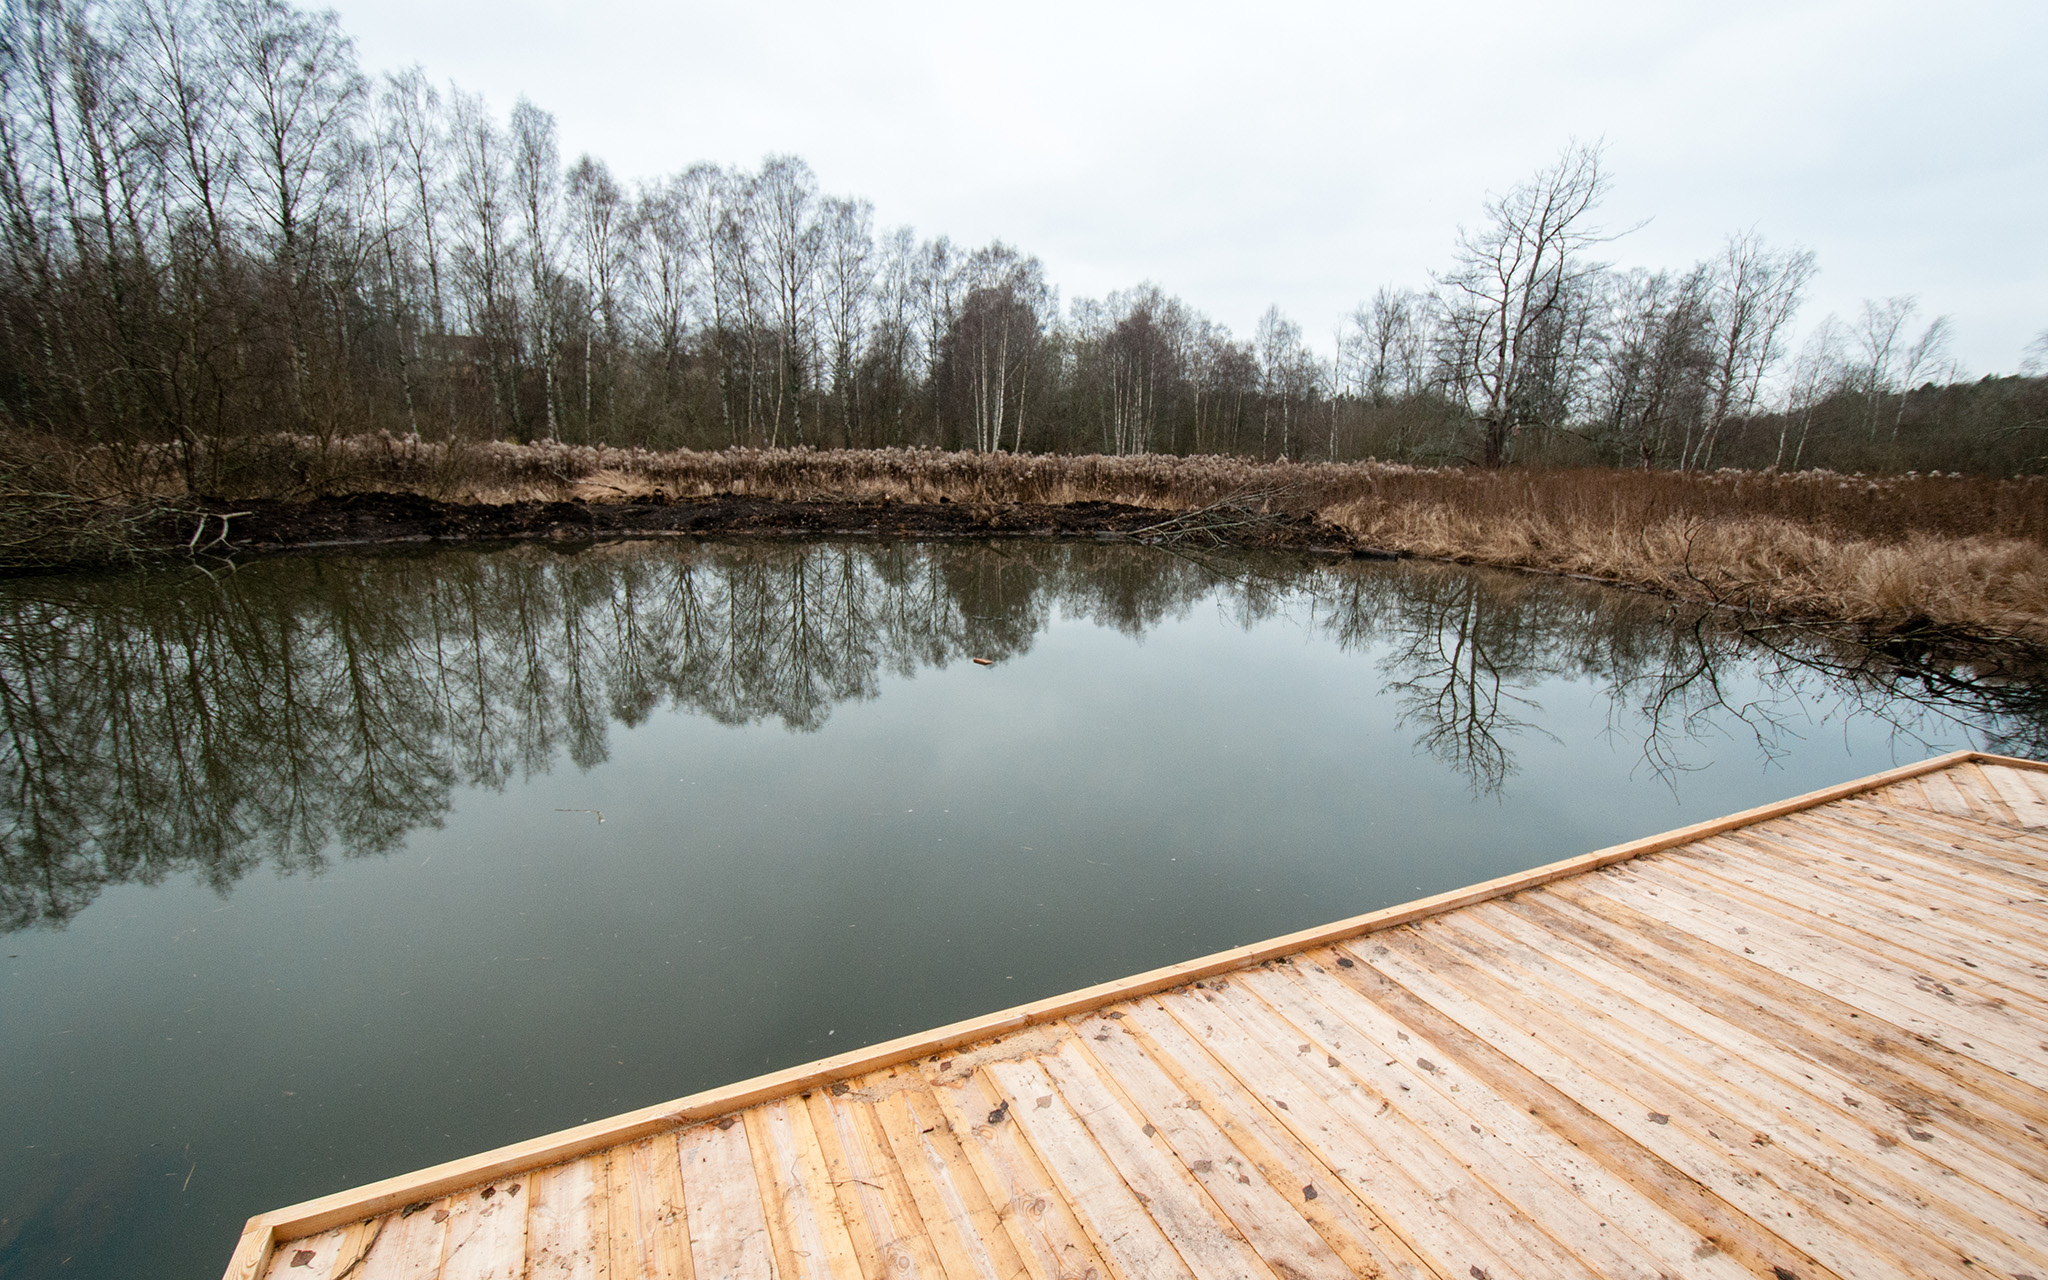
{"x":214,"y":530}
{"x":369,"y":519}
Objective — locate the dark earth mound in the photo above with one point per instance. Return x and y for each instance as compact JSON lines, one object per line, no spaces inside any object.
{"x":371,"y":518}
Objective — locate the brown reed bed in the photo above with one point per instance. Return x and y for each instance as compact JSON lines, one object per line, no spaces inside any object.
{"x":1939,"y":554}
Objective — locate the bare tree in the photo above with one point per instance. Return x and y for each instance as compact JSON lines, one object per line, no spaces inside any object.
{"x":296,"y":94}
{"x":784,"y":203}
{"x":1756,"y":291}
{"x":1653,"y":385}
{"x":1877,"y":337}
{"x":483,"y":207}
{"x":537,"y":192}
{"x":417,"y":131}
{"x":2035,"y":359}
{"x":1821,"y":370}
{"x":598,"y":216}
{"x":667,"y":278}
{"x":1516,"y":276}
{"x":1289,"y":377}
{"x":993,"y":340}
{"x":848,"y":280}
{"x":188,"y":110}
{"x":1922,"y":356}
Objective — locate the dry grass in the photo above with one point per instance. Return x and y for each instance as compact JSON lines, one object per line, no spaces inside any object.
{"x":1982,"y":585}
{"x":1960,"y":553}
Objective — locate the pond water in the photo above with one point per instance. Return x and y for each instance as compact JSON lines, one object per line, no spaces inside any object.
{"x":329,"y":868}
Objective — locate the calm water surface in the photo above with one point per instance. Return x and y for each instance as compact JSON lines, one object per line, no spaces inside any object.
{"x":331,"y":868}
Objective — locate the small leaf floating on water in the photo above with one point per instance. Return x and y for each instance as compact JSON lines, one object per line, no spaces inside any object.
{"x":984,"y":662}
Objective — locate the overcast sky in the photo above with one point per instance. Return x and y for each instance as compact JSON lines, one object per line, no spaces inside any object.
{"x":1303,"y":154}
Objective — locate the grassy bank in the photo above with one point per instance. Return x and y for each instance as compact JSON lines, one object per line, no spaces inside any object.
{"x":1898,"y":554}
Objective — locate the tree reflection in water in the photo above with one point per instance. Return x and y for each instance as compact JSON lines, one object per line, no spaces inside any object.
{"x":306,"y":708}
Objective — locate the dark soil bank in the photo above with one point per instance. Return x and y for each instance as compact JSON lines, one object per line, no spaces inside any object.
{"x":370,"y":518}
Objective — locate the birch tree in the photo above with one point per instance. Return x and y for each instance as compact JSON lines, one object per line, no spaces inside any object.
{"x":847,"y":279}
{"x":536,"y":172}
{"x":1756,"y":292}
{"x":598,"y":217}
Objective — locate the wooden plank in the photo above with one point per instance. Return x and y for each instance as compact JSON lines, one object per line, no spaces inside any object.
{"x":1206,"y":1238}
{"x":1883,"y":913}
{"x":624,"y":1240}
{"x":1127,"y":1235}
{"x":1454,"y":1222}
{"x":1940,"y":794}
{"x":1748,"y":1240}
{"x":1983,"y":797}
{"x":1357,"y":1233}
{"x":1909,"y":792}
{"x":805,"y":1223}
{"x":568,"y":1229}
{"x":410,"y":1247}
{"x":1333,"y":1056}
{"x":1916,"y":1075}
{"x":1273,"y":1216}
{"x":1959,"y":940}
{"x":1871,"y":1099}
{"x":1893,"y":869}
{"x":862,"y":1230}
{"x":1986,"y":860}
{"x":487,"y":1233}
{"x":1053,"y":1241}
{"x":1916,"y":1168}
{"x":2036,"y":779}
{"x":1541,"y":1170}
{"x":728,"y":1229}
{"x":660,"y":1209}
{"x":313,"y":1257}
{"x":1865,"y":978}
{"x":961,"y":1224}
{"x":878,"y":1184}
{"x":1992,"y":881}
{"x":378,"y":1197}
{"x":1938,"y":837}
{"x":1737,"y":1157}
{"x":1979,"y":834}
{"x":2012,"y":787}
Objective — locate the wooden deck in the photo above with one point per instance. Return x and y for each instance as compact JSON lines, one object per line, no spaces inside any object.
{"x":1807,"y":1041}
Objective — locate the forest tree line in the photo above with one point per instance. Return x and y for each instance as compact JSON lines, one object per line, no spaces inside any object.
{"x":216,"y":226}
